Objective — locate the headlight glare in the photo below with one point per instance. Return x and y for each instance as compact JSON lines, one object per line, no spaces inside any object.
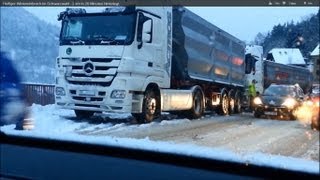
{"x":257,"y":101}
{"x":289,"y":103}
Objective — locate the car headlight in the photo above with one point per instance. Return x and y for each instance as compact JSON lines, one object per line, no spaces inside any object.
{"x":289,"y":103}
{"x":257,"y":101}
{"x":118,"y":94}
{"x":60,"y":91}
{"x":308,"y":103}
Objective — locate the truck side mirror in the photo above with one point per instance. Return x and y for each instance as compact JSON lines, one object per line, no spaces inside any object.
{"x":146,"y":31}
{"x":250,"y":64}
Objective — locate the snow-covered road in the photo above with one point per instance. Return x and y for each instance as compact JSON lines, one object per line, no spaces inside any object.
{"x":283,"y":143}
{"x":239,"y":133}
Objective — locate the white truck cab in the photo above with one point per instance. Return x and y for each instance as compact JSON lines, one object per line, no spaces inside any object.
{"x":108,"y":59}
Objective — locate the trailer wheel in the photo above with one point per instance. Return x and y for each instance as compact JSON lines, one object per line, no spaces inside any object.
{"x":150,"y":107}
{"x":224,"y":106}
{"x":83,"y":114}
{"x":237,"y":103}
{"x":198,"y":106}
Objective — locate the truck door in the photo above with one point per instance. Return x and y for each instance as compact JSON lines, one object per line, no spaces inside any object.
{"x":150,"y":45}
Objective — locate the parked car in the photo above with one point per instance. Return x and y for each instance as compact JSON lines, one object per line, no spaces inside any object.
{"x":315,"y":98}
{"x":279,"y":100}
{"x":12,"y":104}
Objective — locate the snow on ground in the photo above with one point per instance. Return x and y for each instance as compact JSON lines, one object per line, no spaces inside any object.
{"x":53,"y":123}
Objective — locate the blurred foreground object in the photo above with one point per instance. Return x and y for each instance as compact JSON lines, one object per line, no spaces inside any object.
{"x":28,"y":122}
{"x":12,"y":103}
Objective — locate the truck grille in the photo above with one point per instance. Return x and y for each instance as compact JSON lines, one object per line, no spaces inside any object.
{"x":93,"y":71}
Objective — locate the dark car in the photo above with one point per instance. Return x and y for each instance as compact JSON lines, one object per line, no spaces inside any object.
{"x":279,"y":100}
{"x":12,"y":103}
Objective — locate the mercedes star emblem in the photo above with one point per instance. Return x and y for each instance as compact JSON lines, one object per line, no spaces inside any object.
{"x":88,"y":68}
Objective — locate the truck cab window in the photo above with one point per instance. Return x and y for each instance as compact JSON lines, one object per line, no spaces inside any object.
{"x":74,"y":28}
{"x":143,"y":22}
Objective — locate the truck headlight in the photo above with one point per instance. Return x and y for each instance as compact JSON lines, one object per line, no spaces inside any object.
{"x":289,"y":103}
{"x":60,"y":91}
{"x":257,"y":101}
{"x":118,"y":94}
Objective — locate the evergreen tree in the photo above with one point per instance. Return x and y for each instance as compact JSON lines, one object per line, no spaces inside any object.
{"x":303,"y":35}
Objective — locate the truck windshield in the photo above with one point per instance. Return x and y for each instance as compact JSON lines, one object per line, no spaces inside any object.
{"x":98,"y":30}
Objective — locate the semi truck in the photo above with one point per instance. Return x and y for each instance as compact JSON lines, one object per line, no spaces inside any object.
{"x":147,"y":60}
{"x":267,"y":71}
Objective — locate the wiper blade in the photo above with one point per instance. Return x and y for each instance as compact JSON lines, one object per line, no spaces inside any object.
{"x":74,"y":40}
{"x":108,"y":42}
{"x":105,"y":39}
{"x":101,"y":37}
{"x":77,"y":42}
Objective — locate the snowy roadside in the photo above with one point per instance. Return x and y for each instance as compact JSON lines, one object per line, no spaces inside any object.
{"x":52,"y":123}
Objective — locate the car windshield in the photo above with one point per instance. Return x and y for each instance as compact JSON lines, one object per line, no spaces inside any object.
{"x":280,"y":91}
{"x":98,"y":29}
{"x":207,"y":82}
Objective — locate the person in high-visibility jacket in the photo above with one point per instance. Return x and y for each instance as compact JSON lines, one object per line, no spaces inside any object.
{"x":252,"y":92}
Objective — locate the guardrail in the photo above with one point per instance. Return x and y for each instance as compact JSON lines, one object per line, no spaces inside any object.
{"x":42,"y":94}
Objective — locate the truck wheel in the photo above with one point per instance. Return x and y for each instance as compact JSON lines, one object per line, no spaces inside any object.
{"x":83,"y":114}
{"x":149,"y":108}
{"x":231,"y":102}
{"x":224,"y":106}
{"x":198,"y":106}
{"x":237,"y":103}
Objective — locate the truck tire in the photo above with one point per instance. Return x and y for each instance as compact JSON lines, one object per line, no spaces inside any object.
{"x":231,"y":102}
{"x":198,"y":105}
{"x":150,"y":107}
{"x":224,"y":106}
{"x":83,"y":114}
{"x":237,"y":103}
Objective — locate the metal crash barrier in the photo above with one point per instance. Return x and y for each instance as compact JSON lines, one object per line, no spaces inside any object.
{"x":42,"y":94}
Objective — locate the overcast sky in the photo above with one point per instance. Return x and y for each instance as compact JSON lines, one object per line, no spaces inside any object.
{"x":242,"y":22}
